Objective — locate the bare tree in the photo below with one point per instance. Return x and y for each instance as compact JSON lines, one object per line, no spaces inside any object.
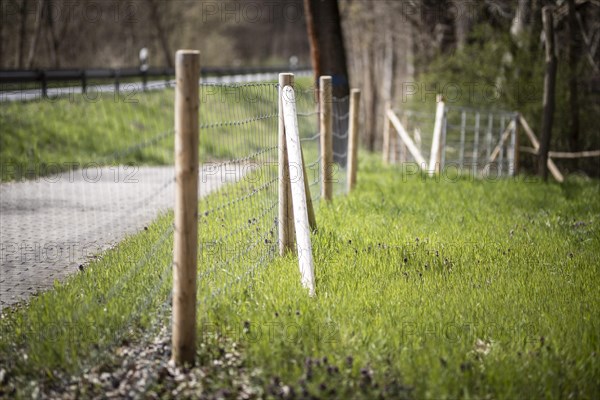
{"x":22,"y":34}
{"x":36,"y":33}
{"x":549,"y":88}
{"x":573,"y":96}
{"x":162,"y":36}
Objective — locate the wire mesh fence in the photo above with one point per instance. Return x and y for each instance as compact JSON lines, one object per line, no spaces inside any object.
{"x":238,"y":219}
{"x":308,"y":120}
{"x":473,"y":142}
{"x":92,"y":201}
{"x":78,"y":177}
{"x":473,"y":136}
{"x":113,"y":178}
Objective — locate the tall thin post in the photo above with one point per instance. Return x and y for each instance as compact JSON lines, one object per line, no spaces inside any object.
{"x":387,"y":132}
{"x":488,"y":148}
{"x":353,"y":138}
{"x":312,"y":219}
{"x":502,"y":144}
{"x":286,"y":212}
{"x":185,"y":250}
{"x":403,"y":149}
{"x":435,"y":158}
{"x":463,"y":122}
{"x":299,"y":195}
{"x":549,"y":88}
{"x":516,"y":149}
{"x":327,"y":166}
{"x":476,"y":144}
{"x":393,"y":149}
{"x":442,"y":155}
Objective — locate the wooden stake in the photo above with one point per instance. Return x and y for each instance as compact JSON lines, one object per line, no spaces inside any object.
{"x":185,"y":250}
{"x":536,"y":145}
{"x":414,"y":151}
{"x":327,"y":166}
{"x":436,"y":159}
{"x":516,"y":159}
{"x":503,"y":139}
{"x":393,"y":149}
{"x":386,"y":135}
{"x":286,"y":212}
{"x":312,"y":220}
{"x":301,"y":224}
{"x":463,"y":121}
{"x":353,"y":138}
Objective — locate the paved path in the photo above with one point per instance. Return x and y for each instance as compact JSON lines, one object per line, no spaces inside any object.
{"x":49,"y":226}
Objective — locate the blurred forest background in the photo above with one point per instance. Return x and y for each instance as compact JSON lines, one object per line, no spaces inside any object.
{"x":487,"y":53}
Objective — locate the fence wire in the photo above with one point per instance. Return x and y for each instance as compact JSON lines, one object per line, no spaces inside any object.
{"x":468,"y":141}
{"x":82,"y":174}
{"x":308,"y":120}
{"x":84,"y":195}
{"x":239,"y":184}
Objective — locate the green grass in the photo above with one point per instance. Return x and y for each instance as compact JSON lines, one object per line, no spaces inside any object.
{"x":135,"y":128}
{"x":426,"y":288}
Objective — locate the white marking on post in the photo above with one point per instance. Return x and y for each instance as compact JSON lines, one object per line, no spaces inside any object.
{"x":302,"y":228}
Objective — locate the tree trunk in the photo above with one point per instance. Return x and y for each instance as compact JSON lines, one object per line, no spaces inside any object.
{"x":22,"y":35}
{"x":462,"y":22}
{"x":53,"y":41}
{"x":36,"y":33}
{"x":327,"y":43}
{"x":549,"y":87}
{"x":518,"y":23}
{"x":162,"y":36}
{"x":573,"y":98}
{"x":328,"y":56}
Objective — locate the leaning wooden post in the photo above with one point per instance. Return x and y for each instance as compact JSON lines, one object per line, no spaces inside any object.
{"x":286,"y":213}
{"x":312,"y":219}
{"x":549,"y":85}
{"x":299,"y":195}
{"x":387,"y":132}
{"x":436,"y":151}
{"x":185,"y":249}
{"x":326,"y":128}
{"x":353,"y":138}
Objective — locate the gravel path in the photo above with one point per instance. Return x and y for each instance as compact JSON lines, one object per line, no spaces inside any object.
{"x":49,"y":226}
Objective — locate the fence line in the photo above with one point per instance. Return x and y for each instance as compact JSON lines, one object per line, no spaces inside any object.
{"x":456,"y":140}
{"x":238,"y":220}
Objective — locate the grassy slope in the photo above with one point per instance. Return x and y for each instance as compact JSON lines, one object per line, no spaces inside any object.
{"x":425,"y":289}
{"x":513,"y":264}
{"x":134,"y":128}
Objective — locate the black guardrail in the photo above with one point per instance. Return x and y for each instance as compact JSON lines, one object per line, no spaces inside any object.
{"x":44,"y":76}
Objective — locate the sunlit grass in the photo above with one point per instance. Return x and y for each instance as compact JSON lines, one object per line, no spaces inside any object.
{"x":425,"y":288}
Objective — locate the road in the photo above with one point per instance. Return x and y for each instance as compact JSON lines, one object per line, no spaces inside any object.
{"x":49,"y":226}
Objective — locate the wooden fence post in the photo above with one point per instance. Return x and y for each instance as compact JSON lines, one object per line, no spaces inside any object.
{"x":387,"y":132}
{"x":286,"y":212}
{"x":435,"y":158}
{"x":299,"y":195}
{"x":312,"y":219}
{"x":516,"y":155}
{"x":185,"y":250}
{"x":326,"y":128}
{"x":353,"y":138}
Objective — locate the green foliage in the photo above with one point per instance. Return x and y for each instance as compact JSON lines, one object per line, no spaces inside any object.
{"x":493,"y":72}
